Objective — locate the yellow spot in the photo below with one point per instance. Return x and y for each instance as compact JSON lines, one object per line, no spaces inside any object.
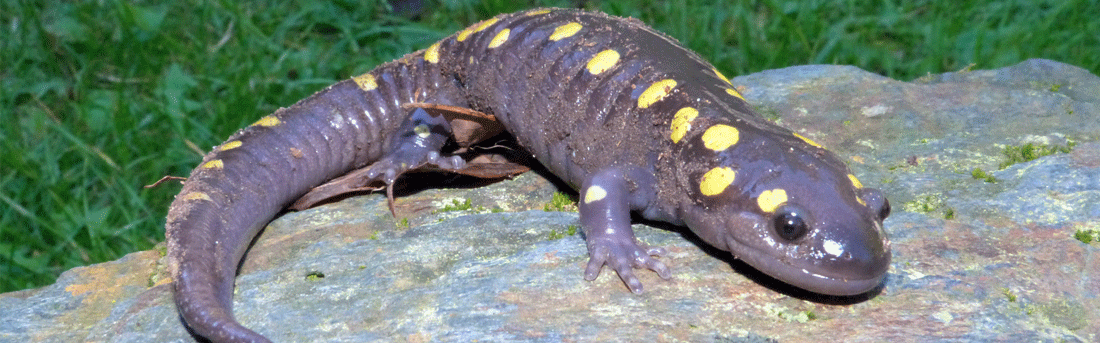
{"x":716,"y":180}
{"x":196,"y":196}
{"x":682,"y":123}
{"x":565,"y":31}
{"x":499,"y":39}
{"x":422,"y":131}
{"x":486,"y":24}
{"x":734,"y":92}
{"x":603,"y":61}
{"x":723,"y":77}
{"x":230,"y":145}
{"x":720,"y":137}
{"x":858,"y":185}
{"x":808,"y":141}
{"x":855,"y":181}
{"x":366,"y":82}
{"x":472,"y":29}
{"x":594,"y":193}
{"x":769,"y":200}
{"x":538,"y":12}
{"x":464,"y":33}
{"x":432,"y":55}
{"x":268,"y":121}
{"x":214,"y":164}
{"x":657,"y":91}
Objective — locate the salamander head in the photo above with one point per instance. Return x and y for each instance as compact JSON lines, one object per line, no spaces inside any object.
{"x":787,"y":207}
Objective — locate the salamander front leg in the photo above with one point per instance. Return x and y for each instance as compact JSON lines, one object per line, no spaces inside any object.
{"x":605,"y":219}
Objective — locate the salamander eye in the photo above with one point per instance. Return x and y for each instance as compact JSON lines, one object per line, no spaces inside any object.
{"x":790,"y":222}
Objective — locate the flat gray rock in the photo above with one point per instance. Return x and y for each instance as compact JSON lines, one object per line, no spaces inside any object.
{"x":974,"y":260}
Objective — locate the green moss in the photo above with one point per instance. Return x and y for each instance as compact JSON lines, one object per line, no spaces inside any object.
{"x":560,"y":202}
{"x":569,"y":231}
{"x":948,"y":213}
{"x":929,"y":204}
{"x":1087,"y":235}
{"x":1008,"y":294}
{"x":315,"y":276}
{"x":1029,"y":152}
{"x":465,"y":205}
{"x":980,"y":174}
{"x":924,"y":204}
{"x":1019,"y":154}
{"x":788,"y":314}
{"x":1083,"y":236}
{"x":403,"y":223}
{"x":456,"y":205}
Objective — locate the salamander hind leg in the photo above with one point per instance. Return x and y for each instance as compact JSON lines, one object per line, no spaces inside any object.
{"x":605,"y":220}
{"x":415,"y":144}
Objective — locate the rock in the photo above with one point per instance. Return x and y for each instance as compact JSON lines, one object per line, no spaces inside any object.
{"x":975,"y":259}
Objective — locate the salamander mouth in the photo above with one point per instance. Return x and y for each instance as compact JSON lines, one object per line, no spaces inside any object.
{"x":815,"y":278}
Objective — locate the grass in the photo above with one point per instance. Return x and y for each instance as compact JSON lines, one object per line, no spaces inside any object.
{"x":100,"y":98}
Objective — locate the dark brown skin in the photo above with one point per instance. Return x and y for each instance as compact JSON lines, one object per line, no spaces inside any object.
{"x":617,"y":110}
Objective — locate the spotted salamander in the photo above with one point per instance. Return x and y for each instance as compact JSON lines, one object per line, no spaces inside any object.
{"x":619,"y":111}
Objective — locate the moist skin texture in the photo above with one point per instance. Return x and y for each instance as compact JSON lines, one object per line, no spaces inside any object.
{"x":619,"y":111}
